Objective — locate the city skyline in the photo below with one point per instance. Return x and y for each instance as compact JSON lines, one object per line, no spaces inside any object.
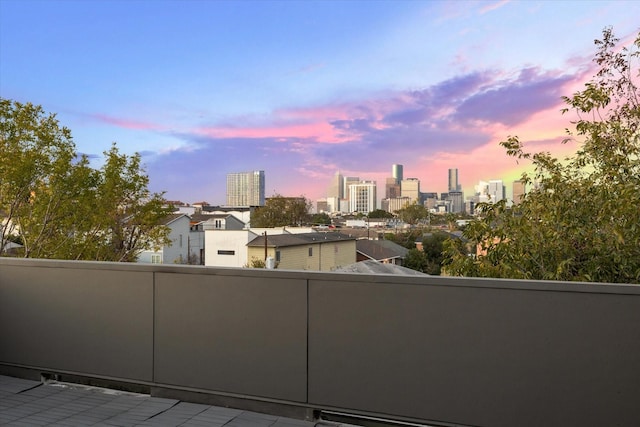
{"x":304,"y":89}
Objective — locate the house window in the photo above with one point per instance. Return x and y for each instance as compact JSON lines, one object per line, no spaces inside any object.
{"x":156,"y":259}
{"x":181,"y":240}
{"x":277,"y":256}
{"x":310,"y":251}
{"x":222,"y":252}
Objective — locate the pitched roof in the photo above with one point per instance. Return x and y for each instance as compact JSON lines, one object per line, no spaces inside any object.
{"x":171,"y":217}
{"x":380,"y":249}
{"x":374,"y":267}
{"x":282,"y":240}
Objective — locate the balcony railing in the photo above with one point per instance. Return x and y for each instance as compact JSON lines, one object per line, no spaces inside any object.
{"x":432,"y":350}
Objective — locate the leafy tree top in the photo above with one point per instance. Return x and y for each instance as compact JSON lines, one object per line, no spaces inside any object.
{"x":580,"y":219}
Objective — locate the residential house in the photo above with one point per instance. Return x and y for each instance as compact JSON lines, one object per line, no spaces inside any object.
{"x":177,"y":252}
{"x":383,"y":251}
{"x":305,"y":251}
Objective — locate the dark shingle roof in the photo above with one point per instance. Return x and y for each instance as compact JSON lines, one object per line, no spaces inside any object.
{"x":380,"y":249}
{"x":282,"y":240}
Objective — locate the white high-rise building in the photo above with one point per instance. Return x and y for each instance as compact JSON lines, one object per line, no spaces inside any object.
{"x":246,"y":189}
{"x":362,"y":197}
{"x":496,"y":190}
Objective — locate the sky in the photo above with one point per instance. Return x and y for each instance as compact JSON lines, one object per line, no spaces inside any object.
{"x":304,"y":89}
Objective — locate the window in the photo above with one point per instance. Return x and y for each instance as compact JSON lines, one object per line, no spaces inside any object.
{"x":277,"y":256}
{"x":156,"y":259}
{"x":181,"y":240}
{"x":223,"y":252}
{"x":311,"y":251}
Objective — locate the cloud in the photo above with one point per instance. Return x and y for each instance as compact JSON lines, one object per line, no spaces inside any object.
{"x":493,"y":6}
{"x":449,"y":124}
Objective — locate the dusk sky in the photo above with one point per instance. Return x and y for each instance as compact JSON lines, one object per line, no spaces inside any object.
{"x":302,"y":89}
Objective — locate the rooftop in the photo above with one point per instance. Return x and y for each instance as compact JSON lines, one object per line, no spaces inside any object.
{"x":34,"y":403}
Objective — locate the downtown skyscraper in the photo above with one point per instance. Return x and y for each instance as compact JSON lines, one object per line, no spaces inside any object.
{"x":246,"y":189}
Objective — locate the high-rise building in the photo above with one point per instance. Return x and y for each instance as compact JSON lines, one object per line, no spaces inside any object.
{"x":518,"y":191}
{"x":410,"y":188}
{"x":453,"y":180}
{"x":396,"y":172}
{"x":362,"y":197}
{"x":348,"y":181}
{"x":496,"y":190}
{"x":457,"y":201}
{"x":245,"y":188}
{"x":336,"y":187}
{"x":392,"y":188}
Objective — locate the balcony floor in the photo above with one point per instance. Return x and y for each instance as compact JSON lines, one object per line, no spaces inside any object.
{"x":32,"y":403}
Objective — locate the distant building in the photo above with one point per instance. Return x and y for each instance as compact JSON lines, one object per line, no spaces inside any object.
{"x":397,"y":172}
{"x":453,"y":180}
{"x":457,"y":201}
{"x":319,"y":251}
{"x":177,"y":251}
{"x":362,"y":197}
{"x":410,"y":188}
{"x":518,"y":191}
{"x":392,"y":188}
{"x":496,"y":190}
{"x":393,"y":205}
{"x":246,"y":189}
{"x":336,"y":187}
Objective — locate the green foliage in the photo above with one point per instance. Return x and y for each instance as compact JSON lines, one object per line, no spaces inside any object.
{"x":280,"y":211}
{"x":58,"y":206}
{"x":404,"y":238}
{"x":416,"y":260}
{"x":321,"y":218}
{"x":379,"y":214}
{"x":256,"y":263}
{"x":433,"y":247}
{"x":414,"y":214}
{"x":580,"y":219}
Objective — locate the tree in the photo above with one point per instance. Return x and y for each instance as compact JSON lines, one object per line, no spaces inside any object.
{"x":433,"y":247}
{"x":580,"y":222}
{"x":416,"y":260}
{"x":380,"y":214}
{"x":280,"y":211}
{"x":321,"y":219}
{"x":58,"y":206}
{"x":127,"y":215}
{"x":413,"y":213}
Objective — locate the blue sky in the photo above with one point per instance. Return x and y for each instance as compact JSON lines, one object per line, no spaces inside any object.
{"x":302,"y":89}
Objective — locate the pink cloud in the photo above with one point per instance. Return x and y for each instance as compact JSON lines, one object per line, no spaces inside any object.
{"x":127,"y":123}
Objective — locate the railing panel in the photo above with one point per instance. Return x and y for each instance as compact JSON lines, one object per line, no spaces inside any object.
{"x":476,"y":355}
{"x":85,"y":318}
{"x":243,"y":333}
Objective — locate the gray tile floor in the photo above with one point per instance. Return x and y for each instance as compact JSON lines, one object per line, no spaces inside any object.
{"x":32,"y":403}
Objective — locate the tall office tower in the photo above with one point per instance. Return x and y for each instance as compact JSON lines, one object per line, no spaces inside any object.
{"x":396,"y":172}
{"x":518,"y":191}
{"x":245,"y":189}
{"x":362,"y":197}
{"x":482,"y":191}
{"x":392,"y":188}
{"x":336,"y":187}
{"x":348,"y":180}
{"x":496,"y":190}
{"x":453,"y":180}
{"x":410,"y":188}
{"x":457,"y":201}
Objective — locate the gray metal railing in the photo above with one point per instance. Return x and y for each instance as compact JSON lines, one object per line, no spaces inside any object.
{"x":449,"y":351}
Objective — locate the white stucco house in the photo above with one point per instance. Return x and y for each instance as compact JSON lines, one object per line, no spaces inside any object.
{"x":177,"y":252}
